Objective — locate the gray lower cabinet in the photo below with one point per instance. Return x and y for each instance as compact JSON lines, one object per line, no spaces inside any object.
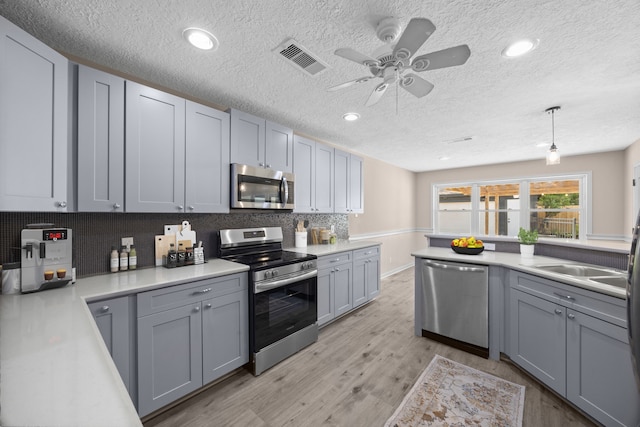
{"x":366,"y":275}
{"x":346,"y":280}
{"x":334,"y":286}
{"x":100,"y":141}
{"x":34,"y":108}
{"x":575,"y":341}
{"x":225,"y":344}
{"x":115,"y":321}
{"x":188,"y":336}
{"x":169,"y":356}
{"x":538,"y":338}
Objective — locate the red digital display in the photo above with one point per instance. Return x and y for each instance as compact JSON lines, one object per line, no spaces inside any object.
{"x":54,"y":235}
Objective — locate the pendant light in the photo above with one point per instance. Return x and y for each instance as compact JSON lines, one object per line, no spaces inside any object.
{"x":553,"y":156}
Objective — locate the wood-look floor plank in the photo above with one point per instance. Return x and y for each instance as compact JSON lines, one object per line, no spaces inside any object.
{"x":355,"y":375}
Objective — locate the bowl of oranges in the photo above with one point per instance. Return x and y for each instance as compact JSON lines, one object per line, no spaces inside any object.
{"x":467,"y":245}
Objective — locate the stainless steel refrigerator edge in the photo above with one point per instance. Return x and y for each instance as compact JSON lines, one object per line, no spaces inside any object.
{"x":633,"y":301}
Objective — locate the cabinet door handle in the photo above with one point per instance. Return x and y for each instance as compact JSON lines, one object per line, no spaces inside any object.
{"x":196,"y":308}
{"x":62,"y":204}
{"x":571,"y":316}
{"x":558,"y":311}
{"x":116,"y":206}
{"x":207,"y":306}
{"x":337,"y":269}
{"x":105,"y":308}
{"x":203,"y":291}
{"x":564,"y":296}
{"x":180,"y":207}
{"x":192,"y":208}
{"x":261,"y":164}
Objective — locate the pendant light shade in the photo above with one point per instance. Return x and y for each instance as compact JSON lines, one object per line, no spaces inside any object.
{"x":553,"y":155}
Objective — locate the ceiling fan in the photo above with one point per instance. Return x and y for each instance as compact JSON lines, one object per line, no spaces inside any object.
{"x":393,"y":63}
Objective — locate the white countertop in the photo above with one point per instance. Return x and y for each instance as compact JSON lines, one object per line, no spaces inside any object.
{"x":517,"y":262}
{"x":54,"y":367}
{"x":340,"y":246}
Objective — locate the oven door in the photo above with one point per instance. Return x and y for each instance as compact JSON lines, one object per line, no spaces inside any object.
{"x":283,"y":310}
{"x":260,"y":188}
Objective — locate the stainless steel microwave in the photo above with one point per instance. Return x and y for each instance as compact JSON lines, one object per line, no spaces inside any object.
{"x":259,"y":188}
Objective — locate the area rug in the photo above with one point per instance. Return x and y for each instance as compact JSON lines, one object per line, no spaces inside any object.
{"x":452,"y":394}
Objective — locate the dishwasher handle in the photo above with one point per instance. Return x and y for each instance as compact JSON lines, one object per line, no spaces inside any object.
{"x":454,"y":267}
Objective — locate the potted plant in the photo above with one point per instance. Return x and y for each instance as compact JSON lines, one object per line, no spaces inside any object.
{"x":528,"y":239}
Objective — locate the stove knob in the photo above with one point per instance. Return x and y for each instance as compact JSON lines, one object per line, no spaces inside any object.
{"x":274,"y":273}
{"x":267,"y":274}
{"x":305,"y":265}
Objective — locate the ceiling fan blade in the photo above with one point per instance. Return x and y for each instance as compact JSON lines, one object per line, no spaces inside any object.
{"x":356,"y":56}
{"x":377,"y":94}
{"x":417,"y":32}
{"x":450,"y":57}
{"x":347,"y":84}
{"x":416,"y":85}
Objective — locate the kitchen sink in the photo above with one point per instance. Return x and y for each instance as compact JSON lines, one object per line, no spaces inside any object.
{"x":578,"y":270}
{"x":617,"y":281}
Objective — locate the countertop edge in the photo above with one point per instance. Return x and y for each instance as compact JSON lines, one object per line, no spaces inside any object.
{"x":525,"y":265}
{"x":63,"y":334}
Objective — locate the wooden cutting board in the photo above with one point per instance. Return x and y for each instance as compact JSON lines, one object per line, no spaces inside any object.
{"x":162,"y":246}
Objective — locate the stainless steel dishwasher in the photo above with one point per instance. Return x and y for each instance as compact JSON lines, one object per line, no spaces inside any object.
{"x":455,"y":306}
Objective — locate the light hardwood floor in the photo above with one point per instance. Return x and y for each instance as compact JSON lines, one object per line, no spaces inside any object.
{"x":355,"y":375}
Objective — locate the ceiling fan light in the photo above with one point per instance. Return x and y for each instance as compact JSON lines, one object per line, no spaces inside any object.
{"x":420,"y":65}
{"x":200,"y":38}
{"x":520,"y":48}
{"x":350,"y":117}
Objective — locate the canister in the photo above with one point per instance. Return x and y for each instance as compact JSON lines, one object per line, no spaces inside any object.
{"x":301,"y":239}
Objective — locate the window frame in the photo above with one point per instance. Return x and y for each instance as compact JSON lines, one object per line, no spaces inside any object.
{"x":584,"y":190}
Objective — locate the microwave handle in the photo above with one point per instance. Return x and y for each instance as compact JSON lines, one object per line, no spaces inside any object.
{"x":284,"y":190}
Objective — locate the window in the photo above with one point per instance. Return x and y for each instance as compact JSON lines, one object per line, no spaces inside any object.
{"x":554,"y":206}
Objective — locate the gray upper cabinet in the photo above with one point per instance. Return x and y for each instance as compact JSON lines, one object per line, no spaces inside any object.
{"x":278,"y":147}
{"x":155,"y":150}
{"x":349,"y":191}
{"x":257,"y":142}
{"x":207,"y":159}
{"x":34,"y":107}
{"x":313,"y":168}
{"x":100,"y":141}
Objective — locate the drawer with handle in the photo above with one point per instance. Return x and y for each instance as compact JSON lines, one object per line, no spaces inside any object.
{"x":334,"y":259}
{"x":175,"y":296}
{"x":366,"y":253}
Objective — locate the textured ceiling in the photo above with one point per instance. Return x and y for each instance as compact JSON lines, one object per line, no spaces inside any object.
{"x":588,"y":62}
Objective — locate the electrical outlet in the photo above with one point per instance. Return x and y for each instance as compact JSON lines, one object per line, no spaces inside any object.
{"x":490,"y":246}
{"x":127,"y":242}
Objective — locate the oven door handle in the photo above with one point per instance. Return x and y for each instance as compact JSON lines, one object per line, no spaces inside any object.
{"x":262,"y":287}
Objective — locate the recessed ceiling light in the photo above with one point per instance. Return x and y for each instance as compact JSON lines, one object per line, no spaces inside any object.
{"x":443,"y":158}
{"x":350,"y":117}
{"x":200,"y":38}
{"x":520,"y":47}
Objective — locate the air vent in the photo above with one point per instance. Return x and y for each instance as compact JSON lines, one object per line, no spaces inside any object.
{"x":300,"y":57}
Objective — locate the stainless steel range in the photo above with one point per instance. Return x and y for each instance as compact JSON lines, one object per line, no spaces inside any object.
{"x":282,"y":294}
